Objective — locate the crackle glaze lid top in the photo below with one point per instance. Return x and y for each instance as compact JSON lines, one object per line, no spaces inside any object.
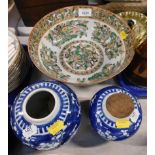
{"x":81,"y":45}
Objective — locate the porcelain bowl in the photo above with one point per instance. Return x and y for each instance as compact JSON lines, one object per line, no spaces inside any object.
{"x":81,"y":45}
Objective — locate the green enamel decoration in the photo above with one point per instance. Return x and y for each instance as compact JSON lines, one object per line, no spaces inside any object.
{"x":80,"y":49}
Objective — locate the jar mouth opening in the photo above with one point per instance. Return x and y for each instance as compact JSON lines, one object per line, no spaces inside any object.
{"x":41,"y":106}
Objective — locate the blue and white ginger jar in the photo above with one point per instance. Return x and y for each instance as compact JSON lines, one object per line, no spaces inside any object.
{"x":45,"y":115}
{"x":105,"y":124}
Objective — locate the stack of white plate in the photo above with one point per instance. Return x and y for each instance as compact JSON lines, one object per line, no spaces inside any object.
{"x":11,"y":4}
{"x":18,"y":64}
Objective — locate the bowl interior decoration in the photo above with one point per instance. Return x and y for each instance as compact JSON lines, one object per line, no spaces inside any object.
{"x":81,"y":45}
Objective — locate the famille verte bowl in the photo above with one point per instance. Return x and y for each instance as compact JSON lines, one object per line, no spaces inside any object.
{"x":115,"y":114}
{"x":18,"y":62}
{"x":45,"y":115}
{"x":138,"y":23}
{"x":81,"y":45}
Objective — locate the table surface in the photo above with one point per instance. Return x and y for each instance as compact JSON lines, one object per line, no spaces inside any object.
{"x":86,"y":141}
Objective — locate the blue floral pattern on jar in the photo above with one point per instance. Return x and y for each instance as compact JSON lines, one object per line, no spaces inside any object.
{"x":37,"y":135}
{"x":105,"y":126}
